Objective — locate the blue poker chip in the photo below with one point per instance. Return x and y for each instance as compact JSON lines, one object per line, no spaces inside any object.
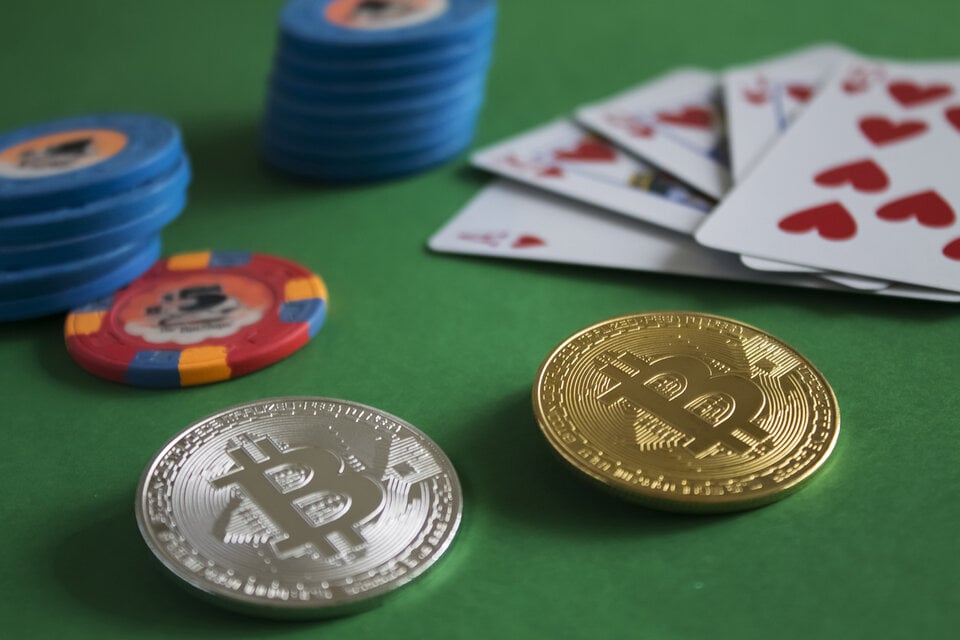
{"x":359,"y":149}
{"x":59,"y":224}
{"x":322,"y":68}
{"x":64,"y":299}
{"x":384,"y":167}
{"x":71,"y":162}
{"x":358,"y":29}
{"x":136,"y":228}
{"x":414,"y":121}
{"x":284,"y":105}
{"x":398,"y":88}
{"x":373,"y":89}
{"x":33,"y":281}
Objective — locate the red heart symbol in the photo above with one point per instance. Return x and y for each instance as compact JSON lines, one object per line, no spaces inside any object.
{"x":699,"y":117}
{"x":953,"y":117}
{"x":832,"y":221}
{"x":588,"y":149}
{"x":855,"y":85}
{"x":910,"y":94}
{"x":927,"y":207}
{"x":882,"y":130}
{"x":800,"y":92}
{"x":952,"y":250}
{"x":551,"y":172}
{"x":632,"y":126}
{"x":755,"y":96}
{"x":524,"y":242}
{"x":863,"y":175}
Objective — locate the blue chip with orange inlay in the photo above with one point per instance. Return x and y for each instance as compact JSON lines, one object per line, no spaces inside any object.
{"x":197,"y":318}
{"x":76,"y":161}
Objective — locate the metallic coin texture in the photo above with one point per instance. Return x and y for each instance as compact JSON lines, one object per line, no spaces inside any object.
{"x":299,"y":507}
{"x":686,"y":411}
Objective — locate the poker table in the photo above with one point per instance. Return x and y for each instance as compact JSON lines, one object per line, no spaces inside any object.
{"x":451,"y":344}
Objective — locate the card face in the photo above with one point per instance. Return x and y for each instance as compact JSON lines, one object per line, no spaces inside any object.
{"x":675,"y":122}
{"x":563,"y":158}
{"x":762,"y":99}
{"x":514,"y":221}
{"x":864,"y":183}
{"x":510,"y":220}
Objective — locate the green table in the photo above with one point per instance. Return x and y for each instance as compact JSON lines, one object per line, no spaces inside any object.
{"x":868,"y":549}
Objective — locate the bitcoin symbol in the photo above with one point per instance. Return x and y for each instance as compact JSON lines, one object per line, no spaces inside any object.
{"x":693,"y":387}
{"x":309,"y":493}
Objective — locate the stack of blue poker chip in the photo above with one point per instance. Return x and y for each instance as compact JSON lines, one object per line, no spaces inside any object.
{"x":82,"y":204}
{"x":374,"y":89}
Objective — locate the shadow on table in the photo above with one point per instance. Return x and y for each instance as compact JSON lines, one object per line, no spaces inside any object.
{"x":507,"y":467}
{"x":106,"y":566}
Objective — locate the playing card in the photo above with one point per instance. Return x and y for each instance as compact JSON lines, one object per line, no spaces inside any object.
{"x":762,"y":99}
{"x":674,"y":122}
{"x":510,"y":220}
{"x":856,"y":282}
{"x":563,"y":158}
{"x":864,"y":183}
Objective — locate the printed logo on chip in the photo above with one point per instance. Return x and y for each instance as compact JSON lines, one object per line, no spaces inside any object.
{"x":60,"y":153}
{"x":196,"y":308}
{"x":383,"y":14}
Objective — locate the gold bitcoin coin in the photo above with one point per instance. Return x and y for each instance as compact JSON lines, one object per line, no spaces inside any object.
{"x":686,"y":411}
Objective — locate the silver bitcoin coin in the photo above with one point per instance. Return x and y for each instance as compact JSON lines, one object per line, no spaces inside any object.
{"x":299,"y":507}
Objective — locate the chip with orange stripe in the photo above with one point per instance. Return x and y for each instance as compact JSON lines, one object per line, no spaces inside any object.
{"x":197,"y":318}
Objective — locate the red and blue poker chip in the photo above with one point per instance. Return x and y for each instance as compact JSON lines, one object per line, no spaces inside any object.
{"x":199,"y":318}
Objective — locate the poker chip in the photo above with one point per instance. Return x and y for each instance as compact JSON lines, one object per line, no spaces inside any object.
{"x":77,"y":247}
{"x":334,"y":113}
{"x":428,"y":83}
{"x":312,"y":126}
{"x":34,"y":306}
{"x":82,"y":203}
{"x":17,"y":283}
{"x":198,"y":318}
{"x":371,"y":29}
{"x":369,"y":142}
{"x":372,"y":89}
{"x":371,"y":149}
{"x":381,"y":68}
{"x":365,"y":168}
{"x":58,"y":224}
{"x":70,"y":162}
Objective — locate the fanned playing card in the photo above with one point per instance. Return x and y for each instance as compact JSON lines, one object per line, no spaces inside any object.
{"x":864,"y":183}
{"x":762,"y":99}
{"x":563,"y":158}
{"x":675,"y":122}
{"x":510,"y":220}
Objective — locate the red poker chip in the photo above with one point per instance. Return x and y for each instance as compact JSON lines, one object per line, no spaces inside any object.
{"x":197,"y":318}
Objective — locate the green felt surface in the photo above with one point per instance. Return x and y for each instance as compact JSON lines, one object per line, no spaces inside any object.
{"x":868,"y":549}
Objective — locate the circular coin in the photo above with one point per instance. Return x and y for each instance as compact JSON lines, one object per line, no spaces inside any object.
{"x":299,"y":507}
{"x":686,"y":411}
